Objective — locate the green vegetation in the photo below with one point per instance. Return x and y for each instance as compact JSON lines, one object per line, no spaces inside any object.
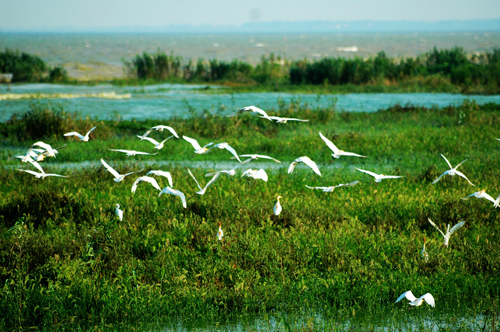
{"x":29,"y":68}
{"x":66,"y":263}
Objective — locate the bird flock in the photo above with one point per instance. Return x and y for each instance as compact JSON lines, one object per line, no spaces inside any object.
{"x":39,"y":151}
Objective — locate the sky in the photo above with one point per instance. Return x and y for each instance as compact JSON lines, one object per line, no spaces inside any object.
{"x":52,"y":14}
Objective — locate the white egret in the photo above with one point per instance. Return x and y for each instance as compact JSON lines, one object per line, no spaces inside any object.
{"x":231,"y":172}
{"x":164,"y":174}
{"x":305,"y":160}
{"x":49,"y":151}
{"x":449,"y":232}
{"x":332,"y":188}
{"x":277,"y":208}
{"x":257,"y":156}
{"x":452,"y":171}
{"x":481,"y":194}
{"x":252,"y":109}
{"x":145,"y":179}
{"x":379,"y":177}
{"x":202,"y":191}
{"x":279,"y":119}
{"x":171,"y":191}
{"x":160,"y":128}
{"x":80,"y":136}
{"x":336,"y":152}
{"x":42,"y":174}
{"x":497,"y":201}
{"x":416,"y":302}
{"x":226,"y":146}
{"x":424,"y":253}
{"x":119,"y":213}
{"x":220,"y":233}
{"x":158,"y":145}
{"x":197,"y":148}
{"x":133,"y":152}
{"x":118,"y":176}
{"x":256,"y":174}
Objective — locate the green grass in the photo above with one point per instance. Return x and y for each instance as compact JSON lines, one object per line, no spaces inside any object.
{"x":67,"y":263}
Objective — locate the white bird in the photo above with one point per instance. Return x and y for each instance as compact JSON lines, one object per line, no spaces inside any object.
{"x":379,"y":177}
{"x":416,"y":302}
{"x":452,"y":171}
{"x":220,"y":233}
{"x":118,"y":176}
{"x":202,"y":191}
{"x":481,"y":194}
{"x":197,"y":148}
{"x":449,"y":232}
{"x":133,"y":152}
{"x":80,"y":136}
{"x":497,"y":201}
{"x":158,"y":145}
{"x":252,"y":109}
{"x":332,"y":188}
{"x":257,"y":156}
{"x":228,"y":147}
{"x":119,"y":213}
{"x":145,"y":179}
{"x":231,"y":172}
{"x":256,"y":174}
{"x":424,"y":253}
{"x":29,"y":159}
{"x":282,"y":120}
{"x":171,"y":191}
{"x":305,"y":160}
{"x":277,"y":208}
{"x":42,"y":174}
{"x":160,"y":128}
{"x":49,"y":151}
{"x":336,"y":152}
{"x":31,"y":155}
{"x":164,"y":174}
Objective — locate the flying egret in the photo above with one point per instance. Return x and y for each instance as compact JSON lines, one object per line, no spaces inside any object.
{"x":336,"y":152}
{"x":416,"y":302}
{"x":452,"y":171}
{"x":279,"y":119}
{"x":29,"y":159}
{"x":277,"y":208}
{"x":252,"y":109}
{"x":42,"y":174}
{"x":305,"y":160}
{"x":118,"y":176}
{"x":202,"y":191}
{"x":220,"y":233}
{"x":256,"y":174}
{"x":424,"y":253}
{"x":197,"y":148}
{"x":257,"y":156}
{"x":332,"y":188}
{"x":379,"y":177}
{"x":49,"y":151}
{"x":232,"y":171}
{"x":164,"y":174}
{"x":81,"y":137}
{"x":158,"y":145}
{"x":160,"y":128}
{"x":171,"y":191}
{"x":133,"y":152}
{"x":481,"y":194}
{"x":31,"y":155}
{"x":119,"y":213}
{"x":449,"y":232}
{"x":497,"y":201}
{"x":145,"y":179}
{"x":226,"y":146}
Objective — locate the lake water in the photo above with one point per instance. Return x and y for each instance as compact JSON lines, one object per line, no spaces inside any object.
{"x":164,"y":101}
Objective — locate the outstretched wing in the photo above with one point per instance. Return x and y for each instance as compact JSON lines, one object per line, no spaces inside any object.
{"x":257,"y":156}
{"x":170,"y":129}
{"x":352,"y":154}
{"x":409,"y":295}
{"x":163,"y":173}
{"x":233,"y":152}
{"x":439,"y":178}
{"x":447,"y":161}
{"x":367,"y":172}
{"x":172,"y":191}
{"x":462,"y":175}
{"x":294,"y":119}
{"x":311,"y":164}
{"x":194,"y":178}
{"x":454,"y":229}
{"x":155,"y":142}
{"x":435,"y":226}
{"x":429,"y":299}
{"x":202,"y":192}
{"x":74,"y":133}
{"x":193,"y":142}
{"x":329,"y":143}
{"x":110,"y":169}
{"x":347,"y":184}
{"x":461,"y":163}
{"x":91,"y":130}
{"x":467,"y":197}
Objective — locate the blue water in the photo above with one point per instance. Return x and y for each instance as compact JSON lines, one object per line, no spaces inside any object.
{"x":167,"y":100}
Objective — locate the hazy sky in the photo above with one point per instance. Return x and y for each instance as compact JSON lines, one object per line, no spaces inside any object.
{"x":43,"y":14}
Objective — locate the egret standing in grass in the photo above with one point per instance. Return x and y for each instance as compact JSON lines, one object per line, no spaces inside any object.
{"x":220,"y":233}
{"x":277,"y":208}
{"x":424,"y":253}
{"x":119,"y":213}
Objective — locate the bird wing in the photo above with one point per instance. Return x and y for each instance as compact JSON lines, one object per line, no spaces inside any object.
{"x":461,"y":163}
{"x":292,"y":167}
{"x":139,"y":152}
{"x":202,"y":192}
{"x":133,"y":172}
{"x":193,"y":142}
{"x":152,"y":181}
{"x":367,"y":172}
{"x":429,"y":299}
{"x":391,"y":176}
{"x":248,"y":172}
{"x":74,"y":133}
{"x":194,"y":178}
{"x":435,"y":226}
{"x":145,"y":134}
{"x":124,"y":151}
{"x":462,"y":175}
{"x":497,"y":201}
{"x":233,"y":152}
{"x":319,"y":188}
{"x":261,"y":174}
{"x":352,"y":154}
{"x":409,"y":295}
{"x":155,"y":142}
{"x":329,"y":143}
{"x":172,"y":191}
{"x":294,"y":119}
{"x":170,"y":129}
{"x":31,"y":172}
{"x":259,"y":156}
{"x":88,"y":132}
{"x":110,"y":169}
{"x":447,"y":161}
{"x":467,"y":197}
{"x":37,"y":165}
{"x":43,"y":145}
{"x":52,"y":174}
{"x":489,"y":198}
{"x":439,"y":178}
{"x":258,"y":110}
{"x":136,"y":182}
{"x":454,"y":229}
{"x":347,"y":184}
{"x":311,"y":164}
